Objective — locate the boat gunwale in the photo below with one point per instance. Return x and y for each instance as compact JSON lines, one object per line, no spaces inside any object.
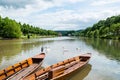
{"x":58,"y":64}
{"x":64,"y":74}
{"x":4,"y":72}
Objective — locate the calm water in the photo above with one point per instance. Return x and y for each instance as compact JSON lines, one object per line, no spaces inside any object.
{"x":104,"y":64}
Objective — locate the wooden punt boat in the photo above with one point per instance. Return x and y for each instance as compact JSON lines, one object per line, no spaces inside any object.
{"x":61,"y":69}
{"x":23,"y":68}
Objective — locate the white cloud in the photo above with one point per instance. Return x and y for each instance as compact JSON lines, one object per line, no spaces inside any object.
{"x":103,"y":2}
{"x":75,"y":1}
{"x":61,"y":18}
{"x":65,"y":27}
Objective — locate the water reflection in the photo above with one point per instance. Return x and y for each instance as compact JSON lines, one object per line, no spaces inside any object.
{"x":9,"y":48}
{"x":104,"y":60}
{"x":110,"y":48}
{"x":81,"y":74}
{"x":28,"y":45}
{"x":13,"y":51}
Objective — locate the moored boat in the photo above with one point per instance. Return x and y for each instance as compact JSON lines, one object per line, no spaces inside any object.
{"x":61,"y":69}
{"x":23,"y":68}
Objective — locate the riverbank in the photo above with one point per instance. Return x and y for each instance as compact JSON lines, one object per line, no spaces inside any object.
{"x":26,"y":37}
{"x":36,"y":36}
{"x":111,"y":37}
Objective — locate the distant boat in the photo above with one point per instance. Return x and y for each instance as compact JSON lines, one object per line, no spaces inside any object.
{"x":61,"y":69}
{"x":23,"y":68}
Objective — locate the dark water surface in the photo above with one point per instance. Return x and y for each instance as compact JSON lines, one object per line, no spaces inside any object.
{"x":104,"y":64}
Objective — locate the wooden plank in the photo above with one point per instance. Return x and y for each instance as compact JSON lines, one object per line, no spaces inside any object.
{"x":56,"y":72}
{"x":23,"y":72}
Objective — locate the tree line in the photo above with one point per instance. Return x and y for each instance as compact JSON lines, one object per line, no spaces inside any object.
{"x":109,"y":28}
{"x":11,"y":29}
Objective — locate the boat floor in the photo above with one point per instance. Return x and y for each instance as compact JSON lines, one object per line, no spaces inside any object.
{"x":24,"y":72}
{"x":67,"y":70}
{"x":72,"y":68}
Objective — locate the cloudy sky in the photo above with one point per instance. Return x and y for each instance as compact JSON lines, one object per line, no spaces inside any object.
{"x":59,"y":14}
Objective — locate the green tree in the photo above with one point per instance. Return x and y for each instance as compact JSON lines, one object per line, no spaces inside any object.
{"x":115,"y":29}
{"x":96,"y":33}
{"x":10,"y":29}
{"x":104,"y":28}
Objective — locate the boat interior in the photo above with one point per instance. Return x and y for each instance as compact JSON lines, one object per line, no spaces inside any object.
{"x":59,"y":68}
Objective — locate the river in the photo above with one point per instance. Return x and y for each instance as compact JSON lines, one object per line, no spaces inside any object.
{"x":104,"y":64}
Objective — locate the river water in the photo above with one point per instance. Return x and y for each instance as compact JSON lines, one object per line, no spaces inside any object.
{"x":104,"y":64}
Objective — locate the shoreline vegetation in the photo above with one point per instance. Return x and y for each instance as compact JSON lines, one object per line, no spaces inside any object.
{"x":104,"y":29}
{"x":35,"y":36}
{"x":26,"y":37}
{"x":10,"y":29}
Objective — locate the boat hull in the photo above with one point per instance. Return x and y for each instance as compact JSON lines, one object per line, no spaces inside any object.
{"x":24,"y":67}
{"x":66,"y":76}
{"x":61,"y":70}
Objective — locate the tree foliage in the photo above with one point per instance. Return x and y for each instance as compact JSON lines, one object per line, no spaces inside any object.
{"x":12,"y":29}
{"x":9,"y":28}
{"x":109,"y":28}
{"x":29,"y":29}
